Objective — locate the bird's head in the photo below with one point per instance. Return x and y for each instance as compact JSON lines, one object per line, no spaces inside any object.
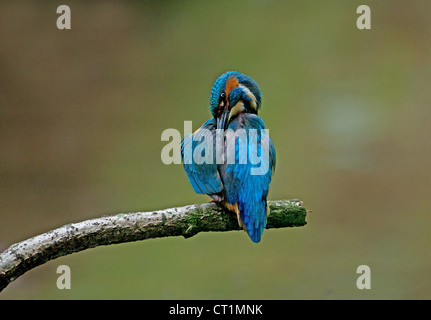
{"x":232,"y":94}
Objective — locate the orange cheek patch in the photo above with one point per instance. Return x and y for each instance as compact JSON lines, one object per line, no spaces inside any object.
{"x":231,"y":84}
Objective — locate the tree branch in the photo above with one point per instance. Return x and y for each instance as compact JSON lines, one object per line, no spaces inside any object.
{"x":126,"y":227}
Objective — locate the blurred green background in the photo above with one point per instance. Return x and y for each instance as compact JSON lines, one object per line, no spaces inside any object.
{"x":82,"y":112}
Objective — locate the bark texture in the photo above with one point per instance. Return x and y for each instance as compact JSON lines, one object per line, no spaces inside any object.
{"x":126,"y":227}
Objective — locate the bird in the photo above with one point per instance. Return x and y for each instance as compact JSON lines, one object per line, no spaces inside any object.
{"x":217,"y":156}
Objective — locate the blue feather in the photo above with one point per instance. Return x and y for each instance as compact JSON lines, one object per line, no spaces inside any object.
{"x":204,"y":177}
{"x":249,"y":191}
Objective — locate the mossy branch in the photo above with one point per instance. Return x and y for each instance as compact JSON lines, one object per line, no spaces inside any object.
{"x":127,"y":227}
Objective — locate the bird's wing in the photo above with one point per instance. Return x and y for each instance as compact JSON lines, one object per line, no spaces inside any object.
{"x":199,"y":159}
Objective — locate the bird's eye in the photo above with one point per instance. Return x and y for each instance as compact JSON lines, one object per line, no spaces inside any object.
{"x":222,"y":96}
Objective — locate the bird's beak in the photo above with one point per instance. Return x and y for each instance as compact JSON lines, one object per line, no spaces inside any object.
{"x":222,"y":121}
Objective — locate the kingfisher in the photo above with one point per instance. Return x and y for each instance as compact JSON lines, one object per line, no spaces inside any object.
{"x":231,"y":157}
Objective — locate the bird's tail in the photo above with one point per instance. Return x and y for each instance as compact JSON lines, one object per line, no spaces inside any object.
{"x":253,"y":217}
